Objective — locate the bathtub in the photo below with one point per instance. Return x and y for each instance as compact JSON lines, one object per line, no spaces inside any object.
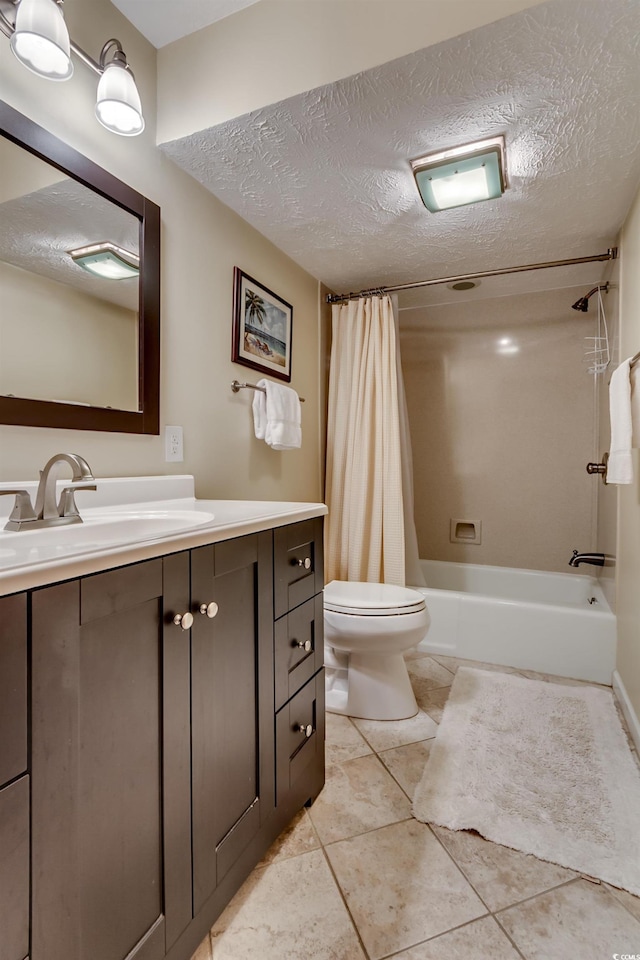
{"x":557,"y":623}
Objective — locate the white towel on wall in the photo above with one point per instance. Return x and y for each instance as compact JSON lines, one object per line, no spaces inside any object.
{"x":277,"y":416}
{"x":624,"y":414}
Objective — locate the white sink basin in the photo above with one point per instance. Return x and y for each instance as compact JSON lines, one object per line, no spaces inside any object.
{"x":99,"y":530}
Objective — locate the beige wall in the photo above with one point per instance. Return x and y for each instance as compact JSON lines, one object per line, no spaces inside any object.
{"x":279,"y":48}
{"x":59,"y":343}
{"x":202,"y":240}
{"x":628,"y":565}
{"x":501,"y":438}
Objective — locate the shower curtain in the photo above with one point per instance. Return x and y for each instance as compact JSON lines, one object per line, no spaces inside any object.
{"x":365,"y":488}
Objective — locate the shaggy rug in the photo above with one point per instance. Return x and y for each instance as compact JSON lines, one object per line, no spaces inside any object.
{"x":540,"y":767}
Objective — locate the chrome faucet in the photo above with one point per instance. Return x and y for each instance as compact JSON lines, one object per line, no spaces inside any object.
{"x":597,"y":559}
{"x":48,"y":513}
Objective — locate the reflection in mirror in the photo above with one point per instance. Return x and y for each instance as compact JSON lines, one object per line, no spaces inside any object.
{"x":76,"y":350}
{"x":65,"y":334}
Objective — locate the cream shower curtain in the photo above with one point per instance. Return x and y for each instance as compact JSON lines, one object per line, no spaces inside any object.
{"x":365,"y":537}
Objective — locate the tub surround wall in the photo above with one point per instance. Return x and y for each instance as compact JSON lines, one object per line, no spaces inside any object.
{"x":501,"y":418}
{"x":628,"y":562}
{"x":202,"y":240}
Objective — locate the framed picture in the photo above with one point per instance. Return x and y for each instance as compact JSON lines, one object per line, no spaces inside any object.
{"x":262,"y":324}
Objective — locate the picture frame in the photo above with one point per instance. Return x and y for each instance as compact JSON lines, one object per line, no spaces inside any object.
{"x":262,"y":327}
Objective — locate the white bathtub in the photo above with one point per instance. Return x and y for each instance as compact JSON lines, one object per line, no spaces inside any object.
{"x":520,"y":618}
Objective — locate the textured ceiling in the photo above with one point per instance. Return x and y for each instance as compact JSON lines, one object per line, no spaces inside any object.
{"x":162,"y":21}
{"x":38,"y":228}
{"x":325,"y":175}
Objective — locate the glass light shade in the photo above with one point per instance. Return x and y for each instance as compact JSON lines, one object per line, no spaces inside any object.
{"x":118,"y":105}
{"x":107,"y":260}
{"x":40,"y":40}
{"x":460,"y":177}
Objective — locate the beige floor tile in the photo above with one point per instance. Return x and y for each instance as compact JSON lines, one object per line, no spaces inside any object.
{"x":385,"y":734}
{"x":358,"y":795}
{"x":407,"y":764}
{"x":452,"y":664}
{"x":501,"y":876}
{"x":428,"y":674}
{"x":343,"y":742}
{"x":627,"y":900}
{"x":299,"y":837}
{"x":433,"y":701}
{"x":204,"y":950}
{"x":581,"y":919}
{"x":480,"y":940}
{"x":401,"y":887}
{"x":289,"y":909}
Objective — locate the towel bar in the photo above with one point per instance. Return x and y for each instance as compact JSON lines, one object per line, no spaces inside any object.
{"x":236,"y":385}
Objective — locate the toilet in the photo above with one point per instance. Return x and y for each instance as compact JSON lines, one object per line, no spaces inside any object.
{"x":367,"y":628}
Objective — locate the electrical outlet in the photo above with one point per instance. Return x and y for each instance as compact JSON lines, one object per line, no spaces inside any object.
{"x":173,"y":450}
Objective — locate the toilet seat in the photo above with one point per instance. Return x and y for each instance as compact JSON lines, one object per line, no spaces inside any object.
{"x":371,"y":599}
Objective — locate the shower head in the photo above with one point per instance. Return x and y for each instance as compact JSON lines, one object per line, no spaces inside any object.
{"x":583,"y":303}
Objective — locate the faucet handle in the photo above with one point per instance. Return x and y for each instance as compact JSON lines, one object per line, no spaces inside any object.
{"x":22,"y":508}
{"x":67,"y":507}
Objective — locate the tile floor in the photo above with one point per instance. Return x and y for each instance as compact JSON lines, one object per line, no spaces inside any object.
{"x":357,"y":878}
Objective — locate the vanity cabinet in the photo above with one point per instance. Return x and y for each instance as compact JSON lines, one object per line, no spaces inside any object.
{"x":299,"y":658}
{"x":14,"y":784}
{"x":176,"y":726}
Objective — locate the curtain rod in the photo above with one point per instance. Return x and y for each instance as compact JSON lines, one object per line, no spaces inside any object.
{"x":611,"y":254}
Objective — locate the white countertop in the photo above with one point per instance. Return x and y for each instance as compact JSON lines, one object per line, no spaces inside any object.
{"x":30,"y":559}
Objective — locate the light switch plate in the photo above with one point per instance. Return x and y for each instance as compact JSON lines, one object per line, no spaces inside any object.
{"x":173,"y":449}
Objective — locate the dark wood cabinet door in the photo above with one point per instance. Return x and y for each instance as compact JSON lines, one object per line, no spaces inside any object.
{"x":98,"y":783}
{"x":13,"y":686}
{"x":232,"y":704}
{"x":14,"y":870}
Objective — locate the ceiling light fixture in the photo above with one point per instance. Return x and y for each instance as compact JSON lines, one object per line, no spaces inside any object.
{"x":107,"y":260}
{"x":39,"y":38}
{"x":461,"y":176}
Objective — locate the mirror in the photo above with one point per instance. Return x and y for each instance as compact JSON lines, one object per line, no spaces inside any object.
{"x":76,"y":350}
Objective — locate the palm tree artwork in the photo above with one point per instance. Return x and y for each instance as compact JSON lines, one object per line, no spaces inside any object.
{"x":254,"y":307}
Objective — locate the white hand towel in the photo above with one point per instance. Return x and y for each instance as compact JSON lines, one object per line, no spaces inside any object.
{"x":259,"y":407}
{"x":277,"y":416}
{"x":620,"y":465}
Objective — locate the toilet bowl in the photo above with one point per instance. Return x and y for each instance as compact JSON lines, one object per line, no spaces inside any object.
{"x":367,"y":628}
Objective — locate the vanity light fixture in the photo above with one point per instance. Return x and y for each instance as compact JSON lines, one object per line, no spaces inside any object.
{"x":462,"y":175}
{"x":39,"y":38}
{"x":107,"y":260}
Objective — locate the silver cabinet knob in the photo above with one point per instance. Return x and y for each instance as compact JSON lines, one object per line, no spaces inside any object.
{"x":209,"y":609}
{"x":184,"y":620}
{"x":305,"y":645}
{"x":306,"y":563}
{"x":307,"y":730}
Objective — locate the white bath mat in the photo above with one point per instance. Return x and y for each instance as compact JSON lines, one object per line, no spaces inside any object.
{"x":539,"y":767}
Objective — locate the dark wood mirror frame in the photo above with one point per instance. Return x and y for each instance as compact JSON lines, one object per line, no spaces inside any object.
{"x":42,"y":413}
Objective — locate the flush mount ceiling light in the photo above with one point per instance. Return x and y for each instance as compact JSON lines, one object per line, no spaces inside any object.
{"x":39,"y":38}
{"x":461,"y":176}
{"x":107,"y":260}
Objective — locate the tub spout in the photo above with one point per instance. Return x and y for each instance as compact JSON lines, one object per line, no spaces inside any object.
{"x":597,"y":559}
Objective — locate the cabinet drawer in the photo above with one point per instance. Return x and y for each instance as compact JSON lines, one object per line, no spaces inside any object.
{"x":298,"y":564}
{"x":13,"y":687}
{"x":14,"y":870}
{"x":295,"y":750}
{"x":299,"y":648}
